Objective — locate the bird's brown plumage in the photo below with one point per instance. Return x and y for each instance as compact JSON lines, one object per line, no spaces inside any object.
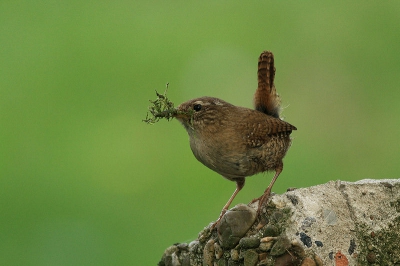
{"x":266,"y":99}
{"x":234,"y":141}
{"x":237,"y":142}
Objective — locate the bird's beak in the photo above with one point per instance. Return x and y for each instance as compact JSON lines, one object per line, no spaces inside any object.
{"x":178,"y":113}
{"x":181,"y":117}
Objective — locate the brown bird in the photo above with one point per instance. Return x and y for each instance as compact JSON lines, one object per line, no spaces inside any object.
{"x":237,"y":142}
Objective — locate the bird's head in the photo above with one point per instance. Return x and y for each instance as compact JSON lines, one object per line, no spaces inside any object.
{"x":201,"y":113}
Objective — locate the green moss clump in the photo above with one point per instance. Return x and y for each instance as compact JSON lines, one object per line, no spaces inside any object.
{"x":160,"y":108}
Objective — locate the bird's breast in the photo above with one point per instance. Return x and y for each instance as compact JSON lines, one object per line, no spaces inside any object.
{"x":227,"y":157}
{"x":234,"y":158}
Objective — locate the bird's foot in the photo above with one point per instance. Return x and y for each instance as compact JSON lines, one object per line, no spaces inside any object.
{"x":255,"y":200}
{"x":218,"y":220}
{"x":262,"y":200}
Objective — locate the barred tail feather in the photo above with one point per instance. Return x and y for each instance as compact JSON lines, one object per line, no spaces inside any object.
{"x":266,"y":99}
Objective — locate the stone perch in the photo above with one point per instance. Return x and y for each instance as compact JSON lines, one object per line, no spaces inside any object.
{"x":337,"y":223}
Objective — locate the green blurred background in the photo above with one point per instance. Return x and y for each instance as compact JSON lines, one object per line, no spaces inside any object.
{"x":85,"y":182}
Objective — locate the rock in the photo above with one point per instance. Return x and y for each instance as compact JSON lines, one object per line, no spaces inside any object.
{"x":305,"y":239}
{"x":250,"y":258}
{"x":249,"y":242}
{"x":318,"y":260}
{"x":183,"y":246}
{"x":266,"y":243}
{"x":193,"y":246}
{"x":371,"y":257}
{"x":235,"y":224}
{"x":185,"y":259}
{"x":265,"y":246}
{"x":277,"y":215}
{"x":169,"y":257}
{"x":175,"y":260}
{"x":337,"y":223}
{"x":208,"y":253}
{"x":270,"y":230}
{"x":235,"y":254}
{"x":341,"y":259}
{"x":297,"y":249}
{"x":221,"y":263}
{"x":262,"y":256}
{"x":308,"y":262}
{"x":218,"y":251}
{"x":287,"y":260}
{"x":281,"y":245}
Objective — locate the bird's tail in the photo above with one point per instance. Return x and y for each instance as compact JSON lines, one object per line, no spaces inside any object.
{"x":266,"y":99}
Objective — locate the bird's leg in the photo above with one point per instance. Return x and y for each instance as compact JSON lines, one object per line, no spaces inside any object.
{"x":239,"y":186}
{"x":267,"y":191}
{"x":261,"y":200}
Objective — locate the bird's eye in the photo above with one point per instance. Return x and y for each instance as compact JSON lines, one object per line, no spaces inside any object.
{"x":197,"y":107}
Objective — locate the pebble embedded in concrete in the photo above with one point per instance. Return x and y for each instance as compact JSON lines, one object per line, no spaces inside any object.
{"x":281,"y":245}
{"x":249,"y":242}
{"x":235,"y":224}
{"x":250,"y":258}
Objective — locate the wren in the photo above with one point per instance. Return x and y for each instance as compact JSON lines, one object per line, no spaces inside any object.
{"x":237,"y":142}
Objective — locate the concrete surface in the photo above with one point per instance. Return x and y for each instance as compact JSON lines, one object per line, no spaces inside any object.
{"x":337,"y":223}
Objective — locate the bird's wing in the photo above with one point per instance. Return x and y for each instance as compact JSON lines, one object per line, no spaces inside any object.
{"x":257,"y":128}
